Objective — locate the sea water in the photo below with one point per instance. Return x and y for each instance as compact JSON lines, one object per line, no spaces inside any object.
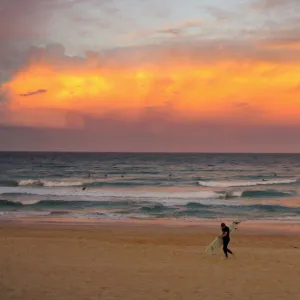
{"x":152,"y":186}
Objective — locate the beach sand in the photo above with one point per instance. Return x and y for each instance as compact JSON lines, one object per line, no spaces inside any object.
{"x":144,"y":262}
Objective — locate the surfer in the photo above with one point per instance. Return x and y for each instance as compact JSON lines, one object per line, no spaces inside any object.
{"x":226,"y":239}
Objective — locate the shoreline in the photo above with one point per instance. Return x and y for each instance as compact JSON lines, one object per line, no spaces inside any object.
{"x":247,"y":226}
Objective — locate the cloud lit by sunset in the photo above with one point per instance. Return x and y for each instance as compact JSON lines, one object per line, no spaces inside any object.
{"x":264,"y":91}
{"x":186,"y":71}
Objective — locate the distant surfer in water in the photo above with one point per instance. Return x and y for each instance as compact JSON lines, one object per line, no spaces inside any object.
{"x":226,"y":239}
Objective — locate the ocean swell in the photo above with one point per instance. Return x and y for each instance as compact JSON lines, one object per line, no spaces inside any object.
{"x":146,"y":205}
{"x":145,"y":209}
{"x":9,"y":182}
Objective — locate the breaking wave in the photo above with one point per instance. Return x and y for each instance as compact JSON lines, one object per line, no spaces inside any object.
{"x":144,"y":206}
{"x":95,"y":183}
{"x":240,"y":183}
{"x":137,"y":208}
{"x":134,"y":194}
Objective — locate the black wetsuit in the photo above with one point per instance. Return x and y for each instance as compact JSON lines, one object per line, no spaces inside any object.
{"x":226,"y":240}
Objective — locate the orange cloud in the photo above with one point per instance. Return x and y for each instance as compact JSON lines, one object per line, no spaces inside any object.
{"x":287,"y":43}
{"x":61,"y":90}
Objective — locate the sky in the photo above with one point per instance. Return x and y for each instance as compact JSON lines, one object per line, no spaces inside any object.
{"x":150,"y":75}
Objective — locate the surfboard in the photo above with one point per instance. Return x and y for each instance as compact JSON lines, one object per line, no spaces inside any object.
{"x":217,"y":243}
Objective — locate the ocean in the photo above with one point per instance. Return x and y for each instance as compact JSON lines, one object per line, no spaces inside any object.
{"x":149,"y":186}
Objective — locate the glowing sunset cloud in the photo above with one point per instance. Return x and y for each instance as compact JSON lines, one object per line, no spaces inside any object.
{"x":264,"y":91}
{"x":79,"y":64}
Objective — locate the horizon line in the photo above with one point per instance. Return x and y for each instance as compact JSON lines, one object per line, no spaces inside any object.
{"x":142,"y":152}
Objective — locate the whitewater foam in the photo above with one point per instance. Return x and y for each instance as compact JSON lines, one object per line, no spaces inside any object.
{"x":30,"y":182}
{"x":97,"y":215}
{"x":99,"y":193}
{"x":79,"y":182}
{"x":52,"y":183}
{"x":240,"y":183}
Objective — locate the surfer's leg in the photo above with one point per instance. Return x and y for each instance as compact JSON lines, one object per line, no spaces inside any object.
{"x":225,"y":244}
{"x":229,"y":251}
{"x":225,"y":251}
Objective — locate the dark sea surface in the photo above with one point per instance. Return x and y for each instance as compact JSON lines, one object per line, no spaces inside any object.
{"x":150,"y":186}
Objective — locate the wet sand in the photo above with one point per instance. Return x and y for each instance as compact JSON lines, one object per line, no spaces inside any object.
{"x":106,"y":261}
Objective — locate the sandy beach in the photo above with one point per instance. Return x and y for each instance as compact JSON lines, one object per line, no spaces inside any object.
{"x":144,"y":262}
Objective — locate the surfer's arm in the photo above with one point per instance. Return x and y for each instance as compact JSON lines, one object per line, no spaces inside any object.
{"x":223,"y":235}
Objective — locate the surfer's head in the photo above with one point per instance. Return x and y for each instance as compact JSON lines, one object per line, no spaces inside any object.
{"x":223,"y":225}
